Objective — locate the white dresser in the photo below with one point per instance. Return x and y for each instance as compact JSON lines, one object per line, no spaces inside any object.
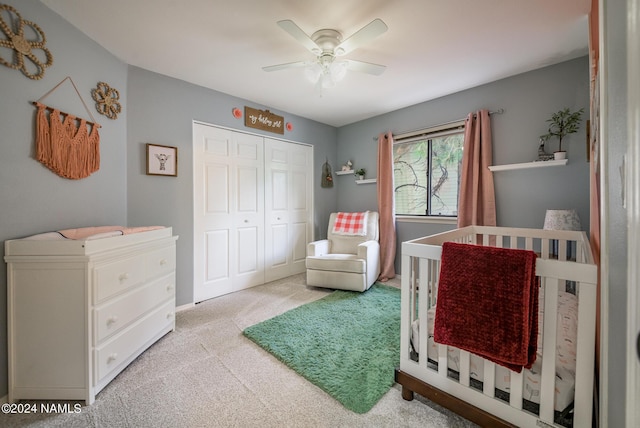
{"x":79,"y":311}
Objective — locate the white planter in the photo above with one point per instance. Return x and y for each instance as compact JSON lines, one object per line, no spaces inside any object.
{"x":560,"y":155}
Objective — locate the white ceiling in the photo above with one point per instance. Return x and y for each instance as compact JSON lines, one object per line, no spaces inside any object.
{"x":432,"y":47}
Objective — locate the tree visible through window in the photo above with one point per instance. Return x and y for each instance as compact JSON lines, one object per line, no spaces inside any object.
{"x":426,"y":174}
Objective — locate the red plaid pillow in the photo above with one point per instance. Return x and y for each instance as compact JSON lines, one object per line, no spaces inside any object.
{"x":350,"y":224}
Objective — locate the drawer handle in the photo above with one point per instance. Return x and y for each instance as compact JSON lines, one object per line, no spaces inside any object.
{"x":112,"y":357}
{"x":169,"y":287}
{"x":169,"y":315}
{"x":112,"y":320}
{"x":123,"y":277}
{"x":163,"y":262}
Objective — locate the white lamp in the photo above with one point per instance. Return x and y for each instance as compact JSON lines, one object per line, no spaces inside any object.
{"x":561,"y":220}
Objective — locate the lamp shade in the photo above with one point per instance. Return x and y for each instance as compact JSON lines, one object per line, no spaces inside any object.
{"x":562,"y":220}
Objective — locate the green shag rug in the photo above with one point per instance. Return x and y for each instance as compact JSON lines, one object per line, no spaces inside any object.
{"x":346,"y":343}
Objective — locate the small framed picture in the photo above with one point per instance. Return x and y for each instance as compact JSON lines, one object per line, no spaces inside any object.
{"x":162,"y":160}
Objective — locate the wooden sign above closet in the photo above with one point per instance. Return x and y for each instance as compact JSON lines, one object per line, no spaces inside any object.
{"x":264,"y":120}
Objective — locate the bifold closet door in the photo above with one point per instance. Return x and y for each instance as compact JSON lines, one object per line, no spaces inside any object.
{"x":288,"y":207}
{"x":228,"y":211}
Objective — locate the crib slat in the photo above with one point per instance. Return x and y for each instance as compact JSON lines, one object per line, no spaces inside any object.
{"x":513,"y":242}
{"x":434,"y":274}
{"x":580,"y":257}
{"x":406,"y":306}
{"x":547,"y":377}
{"x":464,"y":368}
{"x":489,"y":379}
{"x":585,"y":354}
{"x":423,"y":306}
{"x":442,"y":360}
{"x":544,"y":251}
{"x":515,"y":396}
{"x":562,"y":249}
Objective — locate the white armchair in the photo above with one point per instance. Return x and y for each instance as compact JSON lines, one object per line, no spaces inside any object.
{"x":346,"y":262}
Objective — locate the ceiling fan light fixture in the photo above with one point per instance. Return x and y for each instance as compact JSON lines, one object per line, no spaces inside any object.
{"x":327,"y":74}
{"x":326,"y":45}
{"x":338,"y":69}
{"x":313,"y":72}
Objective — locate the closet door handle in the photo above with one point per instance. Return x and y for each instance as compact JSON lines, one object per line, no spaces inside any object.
{"x":638,"y":345}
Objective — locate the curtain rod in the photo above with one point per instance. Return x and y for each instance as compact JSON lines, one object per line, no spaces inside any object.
{"x":417,"y":131}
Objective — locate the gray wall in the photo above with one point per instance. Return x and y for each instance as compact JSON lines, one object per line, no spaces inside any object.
{"x":160,"y":111}
{"x":528,"y":100}
{"x":35,"y":199}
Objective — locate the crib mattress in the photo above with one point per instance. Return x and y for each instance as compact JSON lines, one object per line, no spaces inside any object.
{"x":565,"y":355}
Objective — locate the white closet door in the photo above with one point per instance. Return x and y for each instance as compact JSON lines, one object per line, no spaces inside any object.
{"x":228,"y":211}
{"x":288,"y":207}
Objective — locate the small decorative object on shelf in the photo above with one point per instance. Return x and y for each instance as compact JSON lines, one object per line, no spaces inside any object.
{"x":542,"y":155}
{"x":360,"y":173}
{"x":561,"y":124}
{"x":347,"y":166}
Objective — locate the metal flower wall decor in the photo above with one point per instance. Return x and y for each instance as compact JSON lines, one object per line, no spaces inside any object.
{"x":107,"y":100}
{"x":23,"y":45}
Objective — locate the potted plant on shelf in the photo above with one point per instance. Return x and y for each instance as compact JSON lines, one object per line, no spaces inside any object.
{"x":561,"y":124}
{"x":360,"y":173}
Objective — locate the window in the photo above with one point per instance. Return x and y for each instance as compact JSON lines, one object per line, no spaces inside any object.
{"x":426,"y":171}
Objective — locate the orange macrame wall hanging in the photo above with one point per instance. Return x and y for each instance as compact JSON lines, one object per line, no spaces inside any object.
{"x":63,"y":141}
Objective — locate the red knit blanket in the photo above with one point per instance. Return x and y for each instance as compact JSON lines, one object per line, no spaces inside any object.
{"x":488,"y":303}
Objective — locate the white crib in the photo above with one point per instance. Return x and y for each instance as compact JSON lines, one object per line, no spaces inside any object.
{"x":564,"y":260}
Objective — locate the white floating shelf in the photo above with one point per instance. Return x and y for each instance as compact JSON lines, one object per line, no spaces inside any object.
{"x":367,"y":181}
{"x":539,"y":164}
{"x":352,"y":172}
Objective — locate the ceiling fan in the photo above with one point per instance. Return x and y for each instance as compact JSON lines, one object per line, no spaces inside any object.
{"x":327,"y":45}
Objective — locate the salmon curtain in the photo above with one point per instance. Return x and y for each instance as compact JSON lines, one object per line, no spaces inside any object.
{"x":477,"y":201}
{"x":386,"y":207}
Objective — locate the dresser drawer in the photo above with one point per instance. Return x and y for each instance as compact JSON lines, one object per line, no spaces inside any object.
{"x":161,"y":262}
{"x":118,"y":276}
{"x":122,"y":346}
{"x":121,"y":311}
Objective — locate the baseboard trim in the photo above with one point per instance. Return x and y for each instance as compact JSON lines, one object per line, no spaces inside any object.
{"x":184,"y":307}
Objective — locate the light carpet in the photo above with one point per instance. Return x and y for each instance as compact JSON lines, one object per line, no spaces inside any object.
{"x":208,"y":374}
{"x":347,"y":343}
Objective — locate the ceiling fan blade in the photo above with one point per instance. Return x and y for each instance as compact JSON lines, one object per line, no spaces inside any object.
{"x":362,"y":36}
{"x":366,"y":67}
{"x":287,"y":65}
{"x":302,"y":37}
